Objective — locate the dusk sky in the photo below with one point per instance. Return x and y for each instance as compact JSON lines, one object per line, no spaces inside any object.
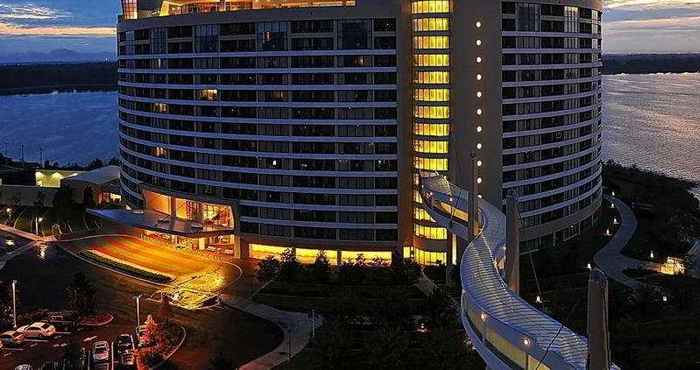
{"x":631,"y":26}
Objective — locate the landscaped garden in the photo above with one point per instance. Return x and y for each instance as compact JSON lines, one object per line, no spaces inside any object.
{"x":667,"y":213}
{"x":374,"y":316}
{"x":648,"y":331}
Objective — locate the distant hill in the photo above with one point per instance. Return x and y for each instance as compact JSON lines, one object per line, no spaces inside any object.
{"x":18,"y":78}
{"x":650,"y":63}
{"x":56,"y":56}
{"x":45,"y":78}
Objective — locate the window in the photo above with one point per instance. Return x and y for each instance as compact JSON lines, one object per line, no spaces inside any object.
{"x":206,"y":38}
{"x":528,"y":17}
{"x":272,"y":36}
{"x":354,"y":34}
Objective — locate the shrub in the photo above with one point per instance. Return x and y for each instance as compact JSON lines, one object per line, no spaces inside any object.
{"x":321,"y":269}
{"x":131,"y":270}
{"x":268,"y":268}
{"x":290,"y":269}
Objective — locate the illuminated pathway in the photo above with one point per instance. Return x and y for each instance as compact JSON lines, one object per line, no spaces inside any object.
{"x":506,"y":331}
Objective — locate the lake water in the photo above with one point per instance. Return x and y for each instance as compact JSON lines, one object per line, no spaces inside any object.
{"x":652,"y":121}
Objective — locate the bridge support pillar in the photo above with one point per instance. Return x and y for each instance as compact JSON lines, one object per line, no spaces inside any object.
{"x":598,"y":335}
{"x":512,"y":264}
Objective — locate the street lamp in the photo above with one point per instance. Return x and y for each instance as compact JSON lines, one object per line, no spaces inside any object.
{"x":14,"y":303}
{"x":138,"y":309}
{"x":38,"y":221}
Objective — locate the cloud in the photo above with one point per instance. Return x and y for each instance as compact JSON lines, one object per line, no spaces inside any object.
{"x":30,"y":12}
{"x":10,"y":29}
{"x":651,"y":26}
{"x":649,"y":4}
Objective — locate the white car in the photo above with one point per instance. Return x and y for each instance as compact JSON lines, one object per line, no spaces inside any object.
{"x":38,"y":330}
{"x":24,"y":367}
{"x":100,"y":351}
{"x":12,"y":338}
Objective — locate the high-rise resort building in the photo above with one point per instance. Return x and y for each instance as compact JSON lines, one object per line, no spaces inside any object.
{"x":254,"y":126}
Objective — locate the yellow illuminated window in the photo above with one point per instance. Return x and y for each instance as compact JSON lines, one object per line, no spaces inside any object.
{"x":431,"y":24}
{"x":417,"y":198}
{"x":431,"y":6}
{"x":425,"y":146}
{"x":209,"y":94}
{"x":432,"y":94}
{"x":421,"y":215}
{"x":432,"y":112}
{"x":428,"y":129}
{"x":431,"y":164}
{"x":429,"y":258}
{"x":431,"y":42}
{"x":433,"y":60}
{"x":429,"y":232}
{"x":433,"y":77}
{"x":367,"y":255}
{"x":160,"y":107}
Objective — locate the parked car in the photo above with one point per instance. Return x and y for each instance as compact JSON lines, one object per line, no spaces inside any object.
{"x":63,"y":320}
{"x":100,"y":351}
{"x":140,"y":331}
{"x":125,"y":342}
{"x":24,"y":367}
{"x":38,"y":330}
{"x":12,"y":338}
{"x":124,"y":348}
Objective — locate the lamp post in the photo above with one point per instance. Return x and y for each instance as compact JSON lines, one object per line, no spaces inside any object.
{"x":138,"y":309}
{"x":14,"y":303}
{"x":38,"y":221}
{"x":9,"y":214}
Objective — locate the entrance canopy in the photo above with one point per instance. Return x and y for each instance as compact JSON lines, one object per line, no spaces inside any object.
{"x":161,"y":222}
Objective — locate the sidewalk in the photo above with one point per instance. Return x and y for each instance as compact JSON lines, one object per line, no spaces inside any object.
{"x":33,"y":241}
{"x":294,"y":323}
{"x":610,"y":258}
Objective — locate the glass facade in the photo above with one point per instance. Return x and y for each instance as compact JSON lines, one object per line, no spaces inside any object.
{"x":295,"y":121}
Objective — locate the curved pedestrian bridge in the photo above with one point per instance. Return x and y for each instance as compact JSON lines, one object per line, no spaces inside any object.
{"x":506,"y":331}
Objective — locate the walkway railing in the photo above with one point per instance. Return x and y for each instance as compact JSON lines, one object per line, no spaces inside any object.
{"x":505,"y":330}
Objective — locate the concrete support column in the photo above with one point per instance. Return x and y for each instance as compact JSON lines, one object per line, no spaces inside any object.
{"x":598,"y":335}
{"x":512,"y":266}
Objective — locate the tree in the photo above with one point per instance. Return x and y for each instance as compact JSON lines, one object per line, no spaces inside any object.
{"x":88,"y":198}
{"x":40,"y":198}
{"x":321,"y":269}
{"x":151,"y":331}
{"x":72,"y":356}
{"x":81,"y":295}
{"x":220,"y":362}
{"x":165,"y":311}
{"x":290,"y":269}
{"x":268,"y":269}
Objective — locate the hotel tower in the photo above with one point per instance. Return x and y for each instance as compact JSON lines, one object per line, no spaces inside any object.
{"x":253,"y":126}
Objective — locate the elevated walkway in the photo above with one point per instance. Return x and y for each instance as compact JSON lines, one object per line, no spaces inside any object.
{"x":507,"y":332}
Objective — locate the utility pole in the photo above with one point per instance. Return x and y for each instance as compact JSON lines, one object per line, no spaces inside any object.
{"x":138,"y":309}
{"x":14,"y":303}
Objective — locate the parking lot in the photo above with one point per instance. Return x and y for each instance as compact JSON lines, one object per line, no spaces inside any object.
{"x":37,"y":351}
{"x":44,"y":274}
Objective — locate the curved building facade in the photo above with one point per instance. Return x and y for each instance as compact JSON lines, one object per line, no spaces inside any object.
{"x":552,"y":116}
{"x":255,"y":126}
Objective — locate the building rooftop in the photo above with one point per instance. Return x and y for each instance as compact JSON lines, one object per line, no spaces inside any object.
{"x":136,"y":9}
{"x":100,"y":176}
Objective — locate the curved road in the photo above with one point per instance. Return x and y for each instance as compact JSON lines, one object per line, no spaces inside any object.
{"x":610,"y":258}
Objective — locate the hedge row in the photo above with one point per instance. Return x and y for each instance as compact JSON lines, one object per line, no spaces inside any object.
{"x":131,"y":270}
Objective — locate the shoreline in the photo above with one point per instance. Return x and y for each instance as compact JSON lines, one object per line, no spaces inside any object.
{"x":82,"y":88}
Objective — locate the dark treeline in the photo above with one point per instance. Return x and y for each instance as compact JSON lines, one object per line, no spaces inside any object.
{"x":45,"y":78}
{"x":651,"y":63}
